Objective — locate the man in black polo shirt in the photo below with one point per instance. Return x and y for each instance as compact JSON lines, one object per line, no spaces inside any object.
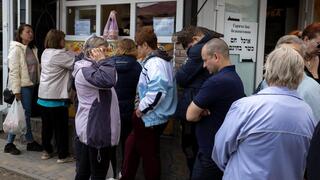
{"x":211,"y":105}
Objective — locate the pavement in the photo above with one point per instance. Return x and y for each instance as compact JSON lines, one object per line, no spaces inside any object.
{"x":30,"y":164}
{"x":173,"y":164}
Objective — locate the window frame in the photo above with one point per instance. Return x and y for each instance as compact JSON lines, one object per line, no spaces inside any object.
{"x":133,"y":3}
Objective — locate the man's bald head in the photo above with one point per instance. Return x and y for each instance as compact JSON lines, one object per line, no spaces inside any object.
{"x":215,"y":55}
{"x":216,"y":45}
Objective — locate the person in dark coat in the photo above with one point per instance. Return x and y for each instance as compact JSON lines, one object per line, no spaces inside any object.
{"x":313,"y":158}
{"x":190,"y":77}
{"x":128,"y":71}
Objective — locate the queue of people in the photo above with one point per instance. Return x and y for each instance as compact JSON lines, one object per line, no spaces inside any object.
{"x":273,"y":134}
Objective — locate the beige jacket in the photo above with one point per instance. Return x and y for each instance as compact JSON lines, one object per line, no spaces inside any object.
{"x":18,"y":74}
{"x":56,"y":67}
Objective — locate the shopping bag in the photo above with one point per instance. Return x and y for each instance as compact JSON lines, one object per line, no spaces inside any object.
{"x":15,"y":122}
{"x":111,"y":31}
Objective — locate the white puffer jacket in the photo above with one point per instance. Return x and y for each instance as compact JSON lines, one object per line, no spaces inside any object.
{"x":18,"y":74}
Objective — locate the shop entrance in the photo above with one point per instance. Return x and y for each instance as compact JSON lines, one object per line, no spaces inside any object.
{"x":282,"y":18}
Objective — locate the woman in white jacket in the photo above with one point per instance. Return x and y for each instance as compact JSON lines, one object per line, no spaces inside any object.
{"x":23,"y":75}
{"x":56,"y":66}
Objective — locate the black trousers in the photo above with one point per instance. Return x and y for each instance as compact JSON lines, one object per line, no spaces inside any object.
{"x":55,"y":121}
{"x":92,"y":163}
{"x":189,"y":144}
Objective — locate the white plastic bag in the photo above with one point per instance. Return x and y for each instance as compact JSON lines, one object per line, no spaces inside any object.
{"x":15,"y":121}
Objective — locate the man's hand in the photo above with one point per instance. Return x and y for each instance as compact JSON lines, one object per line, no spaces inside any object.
{"x":18,"y":96}
{"x":139,"y":113}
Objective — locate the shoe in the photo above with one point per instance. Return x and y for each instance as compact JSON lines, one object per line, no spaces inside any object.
{"x":46,"y":155}
{"x":12,"y":149}
{"x":65,"y":160}
{"x":34,"y":146}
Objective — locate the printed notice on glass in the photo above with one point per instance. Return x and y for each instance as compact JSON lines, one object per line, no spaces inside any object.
{"x":82,"y":27}
{"x":242,"y":39}
{"x":163,"y":26}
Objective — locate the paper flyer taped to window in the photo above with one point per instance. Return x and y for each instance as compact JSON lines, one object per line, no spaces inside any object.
{"x":163,"y":26}
{"x":82,"y":27}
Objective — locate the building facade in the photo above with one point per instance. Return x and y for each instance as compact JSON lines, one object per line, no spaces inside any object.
{"x":250,"y":27}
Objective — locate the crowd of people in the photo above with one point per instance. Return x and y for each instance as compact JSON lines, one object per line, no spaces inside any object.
{"x":126,"y":99}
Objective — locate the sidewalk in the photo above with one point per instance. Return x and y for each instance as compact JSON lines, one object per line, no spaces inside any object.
{"x":173,"y":165}
{"x":30,"y":164}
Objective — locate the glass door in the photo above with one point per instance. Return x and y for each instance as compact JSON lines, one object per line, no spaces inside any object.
{"x":243,"y":24}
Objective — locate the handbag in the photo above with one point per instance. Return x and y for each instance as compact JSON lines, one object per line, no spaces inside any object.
{"x":8,"y":95}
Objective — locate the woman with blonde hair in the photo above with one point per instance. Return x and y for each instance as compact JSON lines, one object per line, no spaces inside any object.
{"x":128,"y":70}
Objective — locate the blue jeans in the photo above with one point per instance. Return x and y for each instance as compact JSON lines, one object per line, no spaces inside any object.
{"x":205,"y":168}
{"x":26,"y":100}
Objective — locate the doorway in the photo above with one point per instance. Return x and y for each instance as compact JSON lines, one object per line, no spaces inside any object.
{"x":282,"y":18}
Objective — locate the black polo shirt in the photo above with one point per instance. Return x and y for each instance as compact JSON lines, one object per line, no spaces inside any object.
{"x":216,"y":94}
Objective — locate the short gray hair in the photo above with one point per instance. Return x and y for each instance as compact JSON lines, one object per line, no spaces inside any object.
{"x":217,"y":45}
{"x":284,"y":67}
{"x":292,"y":39}
{"x":92,"y":43}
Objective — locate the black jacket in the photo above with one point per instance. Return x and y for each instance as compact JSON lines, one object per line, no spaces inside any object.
{"x":313,"y":158}
{"x":191,"y":76}
{"x":128,"y":71}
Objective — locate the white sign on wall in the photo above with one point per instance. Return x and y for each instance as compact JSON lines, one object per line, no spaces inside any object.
{"x":242,"y":39}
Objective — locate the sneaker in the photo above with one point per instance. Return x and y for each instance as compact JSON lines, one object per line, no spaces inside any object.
{"x":46,"y":155}
{"x":34,"y":146}
{"x":65,"y":160}
{"x":12,"y":149}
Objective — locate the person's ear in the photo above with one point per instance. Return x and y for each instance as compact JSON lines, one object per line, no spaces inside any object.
{"x":217,"y":57}
{"x":145,"y":45}
{"x":195,"y":39}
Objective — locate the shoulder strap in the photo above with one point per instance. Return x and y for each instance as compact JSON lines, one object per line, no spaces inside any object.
{"x":7,"y":78}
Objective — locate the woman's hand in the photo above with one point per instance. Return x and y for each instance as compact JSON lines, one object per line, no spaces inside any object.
{"x":139,"y":113}
{"x":18,"y":96}
{"x":97,"y":54}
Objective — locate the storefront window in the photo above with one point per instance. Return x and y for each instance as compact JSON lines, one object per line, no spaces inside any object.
{"x":123,"y":17}
{"x":81,"y":20}
{"x":160,"y":15}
